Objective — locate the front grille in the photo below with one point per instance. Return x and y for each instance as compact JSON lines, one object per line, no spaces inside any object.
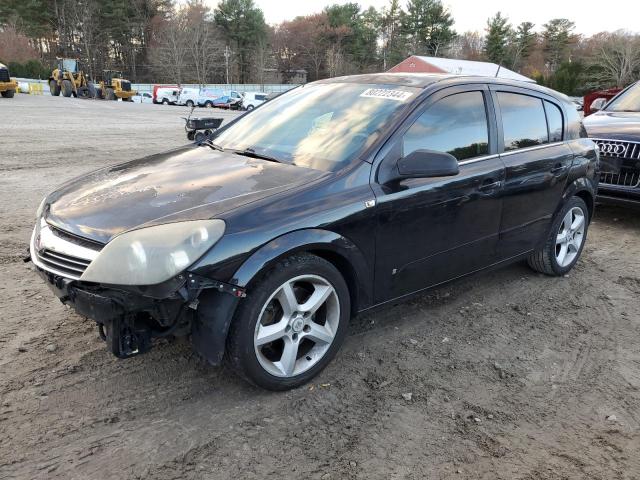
{"x":620,"y":163}
{"x":83,"y":242}
{"x":622,"y":179}
{"x":63,"y":263}
{"x":4,"y":75}
{"x":126,"y":86}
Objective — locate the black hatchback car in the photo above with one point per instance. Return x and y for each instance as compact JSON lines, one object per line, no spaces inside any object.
{"x":334,"y":198}
{"x":616,"y":131}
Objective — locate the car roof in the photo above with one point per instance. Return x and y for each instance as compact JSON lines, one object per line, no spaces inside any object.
{"x":424,"y":80}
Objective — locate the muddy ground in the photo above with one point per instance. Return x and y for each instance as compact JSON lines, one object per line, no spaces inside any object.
{"x":512,"y":375}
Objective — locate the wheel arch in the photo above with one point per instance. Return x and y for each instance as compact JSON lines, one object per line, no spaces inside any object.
{"x":341,"y":252}
{"x":582,"y":188}
{"x":215,"y":313}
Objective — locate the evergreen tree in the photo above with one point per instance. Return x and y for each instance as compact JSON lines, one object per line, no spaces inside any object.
{"x":428,"y":24}
{"x":497,"y":42}
{"x":244,"y":27}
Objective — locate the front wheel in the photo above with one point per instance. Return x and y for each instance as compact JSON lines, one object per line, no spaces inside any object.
{"x":8,"y":93}
{"x":565,"y":242}
{"x":189,"y":103}
{"x":291,"y":324}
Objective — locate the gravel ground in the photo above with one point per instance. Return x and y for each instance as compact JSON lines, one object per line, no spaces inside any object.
{"x":507,"y":375}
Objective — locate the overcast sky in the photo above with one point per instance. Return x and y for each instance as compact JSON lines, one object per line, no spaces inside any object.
{"x":590,"y":16}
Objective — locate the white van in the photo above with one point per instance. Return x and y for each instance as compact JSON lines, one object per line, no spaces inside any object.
{"x":251,"y":100}
{"x":188,"y":96}
{"x":167,"y":95}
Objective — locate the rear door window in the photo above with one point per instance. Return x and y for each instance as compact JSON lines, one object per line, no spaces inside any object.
{"x":555,"y":121}
{"x":456,"y":124}
{"x":523,"y":121}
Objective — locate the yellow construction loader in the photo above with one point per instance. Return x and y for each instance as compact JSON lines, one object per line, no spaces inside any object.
{"x":8,"y":85}
{"x":113,"y":87}
{"x":69,"y":79}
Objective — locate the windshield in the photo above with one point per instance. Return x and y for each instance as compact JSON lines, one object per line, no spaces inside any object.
{"x":69,"y":64}
{"x":627,"y":101}
{"x":320,"y":126}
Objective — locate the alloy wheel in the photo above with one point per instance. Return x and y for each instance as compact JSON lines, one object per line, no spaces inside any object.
{"x":297,"y":325}
{"x":570,"y":236}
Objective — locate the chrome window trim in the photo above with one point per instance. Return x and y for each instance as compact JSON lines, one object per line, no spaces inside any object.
{"x":478,"y":159}
{"x":529,"y":149}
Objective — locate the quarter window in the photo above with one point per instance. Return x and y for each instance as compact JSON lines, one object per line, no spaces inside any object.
{"x":554,"y":120}
{"x":523,"y":121}
{"x":456,"y":124}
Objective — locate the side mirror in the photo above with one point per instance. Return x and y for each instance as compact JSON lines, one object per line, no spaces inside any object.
{"x":428,"y":163}
{"x":598,"y":104}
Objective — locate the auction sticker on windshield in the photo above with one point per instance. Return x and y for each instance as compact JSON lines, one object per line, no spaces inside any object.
{"x":399,"y":95}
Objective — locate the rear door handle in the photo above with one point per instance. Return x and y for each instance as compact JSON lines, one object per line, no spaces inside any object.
{"x":489,"y":184}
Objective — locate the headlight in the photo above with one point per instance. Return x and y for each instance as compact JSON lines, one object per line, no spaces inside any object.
{"x":153,"y":255}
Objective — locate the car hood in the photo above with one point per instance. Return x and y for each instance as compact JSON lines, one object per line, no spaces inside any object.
{"x":189,"y":183}
{"x":614,"y":125}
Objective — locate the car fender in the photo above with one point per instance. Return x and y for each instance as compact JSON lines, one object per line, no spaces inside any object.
{"x":339,"y":250}
{"x":216,"y":310}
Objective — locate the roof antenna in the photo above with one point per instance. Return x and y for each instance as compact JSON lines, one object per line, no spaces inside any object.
{"x":498,"y":71}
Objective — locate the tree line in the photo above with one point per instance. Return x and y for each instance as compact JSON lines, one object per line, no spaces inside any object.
{"x":167,"y":41}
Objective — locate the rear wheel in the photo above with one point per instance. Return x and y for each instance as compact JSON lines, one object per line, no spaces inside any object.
{"x":54,"y":88}
{"x":208,"y":104}
{"x":565,"y":242}
{"x":83,"y":92}
{"x":189,"y":103}
{"x":92,"y":90}
{"x":8,"y":93}
{"x":110,"y":94}
{"x":291,"y":324}
{"x":165,"y":101}
{"x":67,"y":88}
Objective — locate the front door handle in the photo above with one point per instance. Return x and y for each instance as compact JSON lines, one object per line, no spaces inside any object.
{"x":489,"y":184}
{"x":558,"y":168}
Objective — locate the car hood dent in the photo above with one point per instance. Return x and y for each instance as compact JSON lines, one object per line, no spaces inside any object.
{"x":614,"y":125}
{"x":190,"y":183}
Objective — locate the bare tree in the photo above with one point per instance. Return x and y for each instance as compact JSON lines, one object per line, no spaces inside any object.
{"x":170,"y":55}
{"x":617,"y":60}
{"x":204,"y":44}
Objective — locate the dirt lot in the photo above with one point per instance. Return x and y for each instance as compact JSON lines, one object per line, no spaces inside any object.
{"x":512,"y":375}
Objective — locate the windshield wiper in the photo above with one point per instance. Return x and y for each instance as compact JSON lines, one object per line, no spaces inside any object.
{"x":209,"y":143}
{"x":250,"y":152}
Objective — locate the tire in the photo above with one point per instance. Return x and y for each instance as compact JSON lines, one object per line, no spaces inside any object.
{"x":54,"y":88}
{"x":165,"y":101}
{"x":189,"y":103}
{"x":93,"y":93}
{"x":208,"y":104}
{"x":8,"y":93}
{"x":249,"y":108}
{"x":191,"y":135}
{"x":110,"y":94}
{"x":264,"y":365}
{"x":83,"y":92}
{"x":199,"y":137}
{"x":67,"y":88}
{"x":550,"y":259}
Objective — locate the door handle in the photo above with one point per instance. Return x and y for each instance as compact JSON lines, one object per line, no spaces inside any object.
{"x":558,"y":168}
{"x":489,"y":184}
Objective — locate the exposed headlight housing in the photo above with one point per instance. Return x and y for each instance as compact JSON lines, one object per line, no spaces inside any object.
{"x":153,"y":255}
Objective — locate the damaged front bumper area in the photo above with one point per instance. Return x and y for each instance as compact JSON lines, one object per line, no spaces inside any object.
{"x":129,"y":319}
